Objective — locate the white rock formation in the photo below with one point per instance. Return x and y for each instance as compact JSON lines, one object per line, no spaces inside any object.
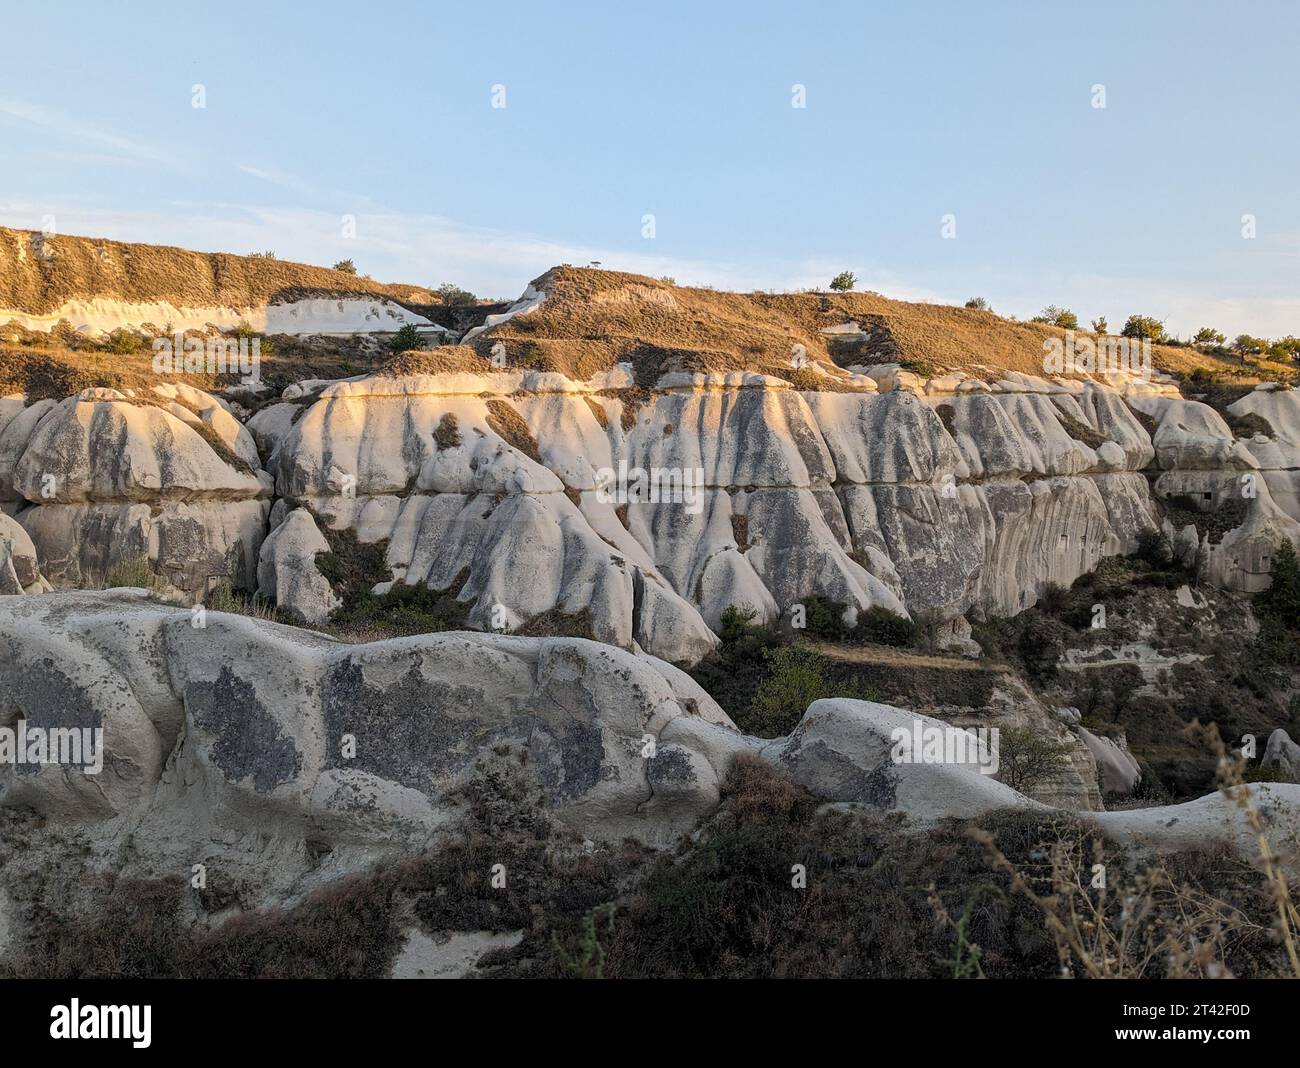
{"x":1282,"y":753}
{"x":102,"y":479}
{"x":19,"y":571}
{"x":1210,"y":820}
{"x":1117,"y":770}
{"x":287,"y":571}
{"x":231,"y":734}
{"x":951,"y":496}
{"x":327,"y":316}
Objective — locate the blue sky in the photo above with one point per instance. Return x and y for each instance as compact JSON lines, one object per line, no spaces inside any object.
{"x":383,"y":112}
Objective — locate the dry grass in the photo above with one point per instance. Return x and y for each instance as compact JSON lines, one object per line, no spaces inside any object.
{"x":593,"y":319}
{"x":509,"y":425}
{"x":43,"y":365}
{"x":1167,"y":920}
{"x":445,"y":359}
{"x":82,"y":267}
{"x":56,"y":372}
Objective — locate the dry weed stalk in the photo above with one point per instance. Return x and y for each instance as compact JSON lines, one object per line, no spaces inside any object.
{"x":1153,"y":918}
{"x":1230,"y":772}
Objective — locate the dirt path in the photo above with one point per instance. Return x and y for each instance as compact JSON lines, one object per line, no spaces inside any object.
{"x":892,"y":657}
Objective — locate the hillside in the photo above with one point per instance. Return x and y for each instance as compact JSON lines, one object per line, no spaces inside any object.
{"x":588,"y":321}
{"x":39,"y":274}
{"x":591,"y":319}
{"x":375,"y":621}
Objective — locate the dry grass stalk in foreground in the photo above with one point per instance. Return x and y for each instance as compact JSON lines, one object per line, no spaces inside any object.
{"x":1155,"y":922}
{"x":1232,"y":784}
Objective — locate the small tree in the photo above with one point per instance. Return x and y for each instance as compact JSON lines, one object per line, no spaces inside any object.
{"x":125,"y":342}
{"x":1144,"y":326}
{"x":1282,"y":599}
{"x":795,"y":682}
{"x":844,"y":281}
{"x":1061,"y":317}
{"x":267,"y":255}
{"x":1286,"y":348}
{"x":1027,"y":757}
{"x":346,"y":266}
{"x":978,"y":304}
{"x":1100,"y":326}
{"x":1154,"y":546}
{"x":407,"y":338}
{"x":455,"y":296}
{"x":1207,"y":335}
{"x":1245,"y":345}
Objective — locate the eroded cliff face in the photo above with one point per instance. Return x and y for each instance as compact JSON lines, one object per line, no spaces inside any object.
{"x":283,"y":758}
{"x":945,"y":497}
{"x":95,"y":286}
{"x":619,"y":460}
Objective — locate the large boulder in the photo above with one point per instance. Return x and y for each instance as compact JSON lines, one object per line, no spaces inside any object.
{"x":104,"y":479}
{"x":1117,"y":769}
{"x":19,"y":571}
{"x":1283,"y":754}
{"x":287,"y":571}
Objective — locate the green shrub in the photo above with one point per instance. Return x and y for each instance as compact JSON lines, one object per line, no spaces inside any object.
{"x":796,"y":681}
{"x":346,"y":266}
{"x":879,"y":624}
{"x":732,"y":672}
{"x":1029,"y":757}
{"x":1054,"y":599}
{"x":796,"y":677}
{"x":406,"y":339}
{"x":455,"y":296}
{"x":125,"y":342}
{"x":1154,"y":548}
{"x":1281,"y":601}
{"x":133,"y":572}
{"x":844,"y":281}
{"x":1144,"y":326}
{"x":1061,"y":317}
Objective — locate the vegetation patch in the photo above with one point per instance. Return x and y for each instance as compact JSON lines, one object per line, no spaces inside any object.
{"x":774,"y":888}
{"x":556,"y":623}
{"x":740,"y":531}
{"x":446,"y":434}
{"x":509,"y":425}
{"x":1183,"y":511}
{"x":353,"y":568}
{"x":1080,"y":431}
{"x":765,"y":677}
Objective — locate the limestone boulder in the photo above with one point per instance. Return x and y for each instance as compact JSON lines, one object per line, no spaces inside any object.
{"x":1117,"y":769}
{"x":1283,"y":754}
{"x":287,"y":572}
{"x":19,"y":571}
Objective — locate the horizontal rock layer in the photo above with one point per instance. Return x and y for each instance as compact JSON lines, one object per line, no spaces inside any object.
{"x":654,"y":511}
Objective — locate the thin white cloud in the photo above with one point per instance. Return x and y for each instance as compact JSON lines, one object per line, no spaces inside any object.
{"x":81,"y":135}
{"x":280,"y":178}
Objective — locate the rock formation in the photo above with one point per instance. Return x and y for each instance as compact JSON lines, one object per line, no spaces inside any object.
{"x":252,"y":736}
{"x":959,"y":496}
